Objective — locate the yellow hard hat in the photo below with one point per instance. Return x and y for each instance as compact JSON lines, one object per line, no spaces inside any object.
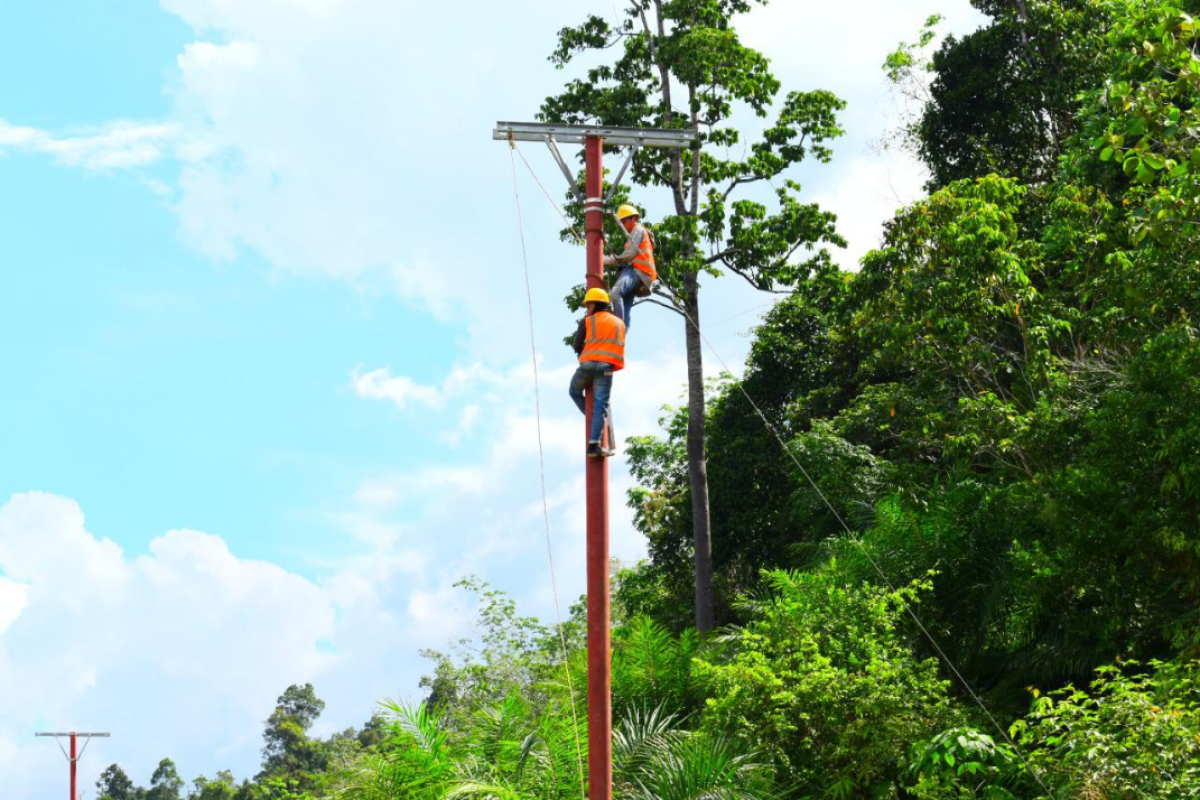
{"x":596,"y":296}
{"x":627,"y":211}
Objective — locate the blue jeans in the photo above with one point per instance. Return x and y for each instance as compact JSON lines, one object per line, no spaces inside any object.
{"x":629,"y":283}
{"x":597,"y":376}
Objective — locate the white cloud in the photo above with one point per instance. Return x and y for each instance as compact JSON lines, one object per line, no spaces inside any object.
{"x":873,"y":189}
{"x":423,"y":284}
{"x":380,"y":384}
{"x":474,"y":385}
{"x":440,"y":614}
{"x":317,"y":111}
{"x":506,"y":395}
{"x":211,"y":58}
{"x":310,"y":133}
{"x":810,"y":48}
{"x":487,"y":509}
{"x":500,"y":404}
{"x":14,"y":597}
{"x":180,"y":651}
{"x":117,"y":145}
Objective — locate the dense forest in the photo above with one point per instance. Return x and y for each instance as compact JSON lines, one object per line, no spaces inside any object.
{"x":954,"y":499}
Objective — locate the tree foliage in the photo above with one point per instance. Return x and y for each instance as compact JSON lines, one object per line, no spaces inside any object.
{"x":979,"y":450}
{"x":681,"y":64}
{"x":287,"y":750}
{"x":1134,"y":734}
{"x":114,"y":784}
{"x":824,"y":681}
{"x":1002,"y":99}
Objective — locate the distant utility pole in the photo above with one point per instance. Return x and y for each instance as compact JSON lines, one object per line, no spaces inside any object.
{"x":73,"y":757}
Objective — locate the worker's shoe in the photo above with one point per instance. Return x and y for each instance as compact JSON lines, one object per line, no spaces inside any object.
{"x":596,"y":450}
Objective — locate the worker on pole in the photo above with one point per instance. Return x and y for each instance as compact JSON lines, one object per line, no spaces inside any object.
{"x":638,"y":272}
{"x":600,"y":344}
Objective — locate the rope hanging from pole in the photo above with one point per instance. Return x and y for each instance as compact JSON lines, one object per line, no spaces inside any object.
{"x":542,"y":467}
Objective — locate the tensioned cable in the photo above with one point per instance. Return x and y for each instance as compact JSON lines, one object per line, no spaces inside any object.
{"x":862,"y":548}
{"x":907,"y":606}
{"x":537,"y":399}
{"x":512,"y":143}
{"x":739,"y":314}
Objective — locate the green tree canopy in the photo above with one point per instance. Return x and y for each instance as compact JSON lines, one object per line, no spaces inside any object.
{"x":165,"y":783}
{"x":114,"y":784}
{"x":221,"y":787}
{"x":824,"y":682}
{"x":287,"y":750}
{"x":681,"y":63}
{"x":1004,"y":98}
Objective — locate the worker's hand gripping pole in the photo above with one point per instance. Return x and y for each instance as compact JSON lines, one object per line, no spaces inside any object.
{"x":598,"y":640}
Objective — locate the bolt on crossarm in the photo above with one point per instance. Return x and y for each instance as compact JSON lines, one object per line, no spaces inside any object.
{"x":74,"y":755}
{"x":599,"y":679}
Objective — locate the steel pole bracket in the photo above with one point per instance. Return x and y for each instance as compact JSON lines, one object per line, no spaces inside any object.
{"x":566,"y":171}
{"x":612,"y":190}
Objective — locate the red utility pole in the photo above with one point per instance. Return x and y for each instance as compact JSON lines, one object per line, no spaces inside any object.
{"x":593,"y":138}
{"x":74,"y":755}
{"x":599,"y":676}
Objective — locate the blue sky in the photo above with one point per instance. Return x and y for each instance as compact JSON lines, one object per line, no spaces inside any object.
{"x":267,"y":389}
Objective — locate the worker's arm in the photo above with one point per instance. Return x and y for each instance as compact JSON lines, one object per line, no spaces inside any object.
{"x":580,"y":336}
{"x":632,"y":243}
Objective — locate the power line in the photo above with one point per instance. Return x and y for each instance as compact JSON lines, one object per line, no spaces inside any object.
{"x":570,"y":226}
{"x":740,"y":314}
{"x":862,"y":548}
{"x":907,"y":606}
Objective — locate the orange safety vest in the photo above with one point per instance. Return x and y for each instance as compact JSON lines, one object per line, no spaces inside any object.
{"x":605,"y":339}
{"x":644,"y":260}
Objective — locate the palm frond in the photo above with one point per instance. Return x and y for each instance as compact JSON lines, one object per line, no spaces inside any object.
{"x":641,"y":738}
{"x":421,"y":723}
{"x":699,"y":767}
{"x":485,"y":791}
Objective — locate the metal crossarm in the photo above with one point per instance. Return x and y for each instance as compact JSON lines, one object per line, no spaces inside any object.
{"x":566,"y":171}
{"x":642,"y":137}
{"x":75,"y":754}
{"x":612,"y":190}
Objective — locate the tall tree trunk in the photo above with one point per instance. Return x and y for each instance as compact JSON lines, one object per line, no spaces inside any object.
{"x":698,"y":460}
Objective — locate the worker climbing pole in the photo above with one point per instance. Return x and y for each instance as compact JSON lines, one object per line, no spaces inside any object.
{"x":594,"y":201}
